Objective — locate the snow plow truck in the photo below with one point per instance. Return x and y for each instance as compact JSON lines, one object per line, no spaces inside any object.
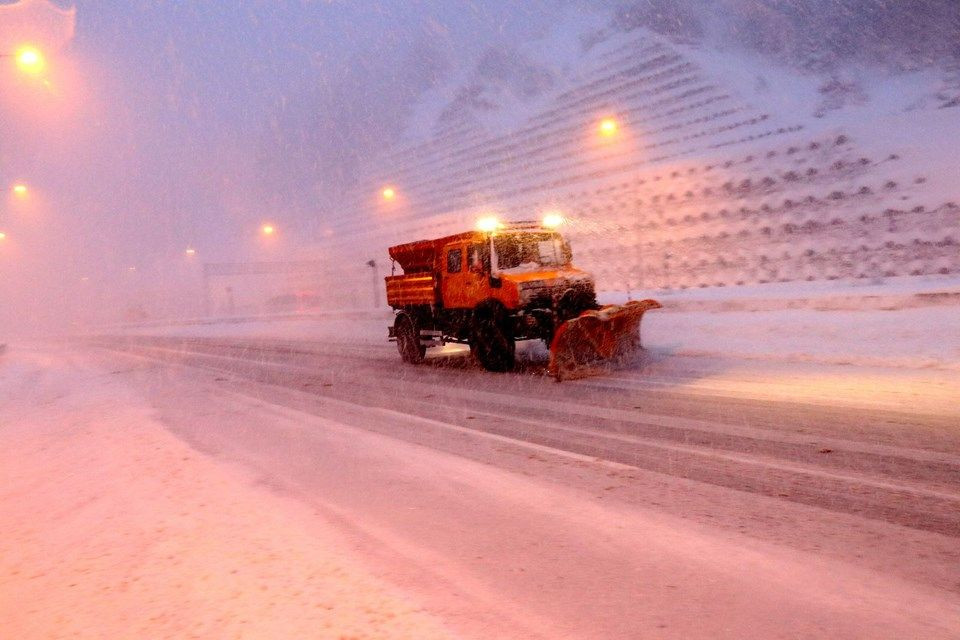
{"x":499,"y":284}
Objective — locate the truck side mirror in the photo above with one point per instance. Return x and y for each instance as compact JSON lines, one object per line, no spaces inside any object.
{"x":495,"y":282}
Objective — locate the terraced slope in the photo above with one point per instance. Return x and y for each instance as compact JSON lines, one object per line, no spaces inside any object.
{"x":700,"y":187}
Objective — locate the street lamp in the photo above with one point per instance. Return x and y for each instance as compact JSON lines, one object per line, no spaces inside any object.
{"x":190,"y":251}
{"x":268,"y":230}
{"x":608,"y":127}
{"x":389,"y":193}
{"x":20,"y":190}
{"x":3,"y":236}
{"x":29,"y":59}
{"x":376,"y":283}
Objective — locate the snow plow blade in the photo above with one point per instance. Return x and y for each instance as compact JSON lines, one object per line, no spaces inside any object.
{"x":582,"y":345}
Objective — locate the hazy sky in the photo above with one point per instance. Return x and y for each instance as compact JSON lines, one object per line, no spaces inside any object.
{"x":188,"y":122}
{"x":180,"y":123}
{"x":191,"y":93}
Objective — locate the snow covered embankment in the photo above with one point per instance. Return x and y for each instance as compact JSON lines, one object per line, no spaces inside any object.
{"x":902,"y":323}
{"x":114,"y":528}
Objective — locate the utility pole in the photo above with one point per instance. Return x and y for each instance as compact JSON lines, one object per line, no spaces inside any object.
{"x":376,"y":283}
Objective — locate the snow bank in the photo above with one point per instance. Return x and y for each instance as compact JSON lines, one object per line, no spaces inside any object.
{"x":908,"y":338}
{"x":113,"y":528}
{"x":897,"y":322}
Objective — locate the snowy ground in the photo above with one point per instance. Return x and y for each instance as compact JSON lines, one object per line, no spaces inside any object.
{"x":215,"y":489}
{"x":887,"y":344}
{"x":114,"y":528}
{"x":774,"y":466}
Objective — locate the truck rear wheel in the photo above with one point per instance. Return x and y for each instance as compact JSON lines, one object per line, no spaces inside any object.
{"x":407,"y":330}
{"x":492,"y":340}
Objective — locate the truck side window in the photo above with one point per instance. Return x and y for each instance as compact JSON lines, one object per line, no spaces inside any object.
{"x":478,"y":258}
{"x":454,"y":260}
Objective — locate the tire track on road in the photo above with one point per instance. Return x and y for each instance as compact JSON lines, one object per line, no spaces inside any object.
{"x":916,"y":489}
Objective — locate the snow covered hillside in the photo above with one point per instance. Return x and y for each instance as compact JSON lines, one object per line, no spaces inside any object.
{"x":728,"y":167}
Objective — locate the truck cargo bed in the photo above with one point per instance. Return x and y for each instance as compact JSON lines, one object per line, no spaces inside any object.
{"x":412,"y":289}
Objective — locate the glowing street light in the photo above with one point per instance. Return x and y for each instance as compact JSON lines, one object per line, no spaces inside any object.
{"x":3,"y":236}
{"x":389,"y":193}
{"x":30,"y":60}
{"x":190,"y":251}
{"x":268,"y":230}
{"x":608,"y":127}
{"x":20,"y":190}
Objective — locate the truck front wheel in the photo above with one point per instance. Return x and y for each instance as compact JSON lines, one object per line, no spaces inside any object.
{"x":406,"y":329}
{"x":491,"y":339}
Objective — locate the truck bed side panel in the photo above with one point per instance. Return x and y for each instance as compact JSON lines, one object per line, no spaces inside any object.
{"x":412,"y":289}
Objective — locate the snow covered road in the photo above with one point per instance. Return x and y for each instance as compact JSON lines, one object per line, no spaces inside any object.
{"x":640,"y":505}
{"x":114,"y":528}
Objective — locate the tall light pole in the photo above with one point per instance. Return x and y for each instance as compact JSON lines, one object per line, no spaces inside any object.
{"x":376,"y":283}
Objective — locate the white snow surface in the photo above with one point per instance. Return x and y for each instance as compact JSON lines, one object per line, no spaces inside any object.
{"x":114,"y":528}
{"x":833,"y":349}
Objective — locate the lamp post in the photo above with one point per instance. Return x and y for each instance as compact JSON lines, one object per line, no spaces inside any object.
{"x":376,"y":283}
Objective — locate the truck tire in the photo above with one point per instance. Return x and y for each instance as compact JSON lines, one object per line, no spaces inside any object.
{"x":407,"y":330}
{"x":492,"y":339}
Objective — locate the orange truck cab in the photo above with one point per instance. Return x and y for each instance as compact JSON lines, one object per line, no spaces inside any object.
{"x":487,"y":289}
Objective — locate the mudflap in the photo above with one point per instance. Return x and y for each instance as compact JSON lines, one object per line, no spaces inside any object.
{"x":583,"y":345}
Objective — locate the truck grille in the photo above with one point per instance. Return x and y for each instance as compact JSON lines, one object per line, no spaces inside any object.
{"x":545,"y":295}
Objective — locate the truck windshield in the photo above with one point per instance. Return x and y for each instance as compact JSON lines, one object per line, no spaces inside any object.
{"x":527,"y":251}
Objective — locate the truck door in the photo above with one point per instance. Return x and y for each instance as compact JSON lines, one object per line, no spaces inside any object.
{"x":453,"y":276}
{"x":465,"y":275}
{"x":477,"y":277}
